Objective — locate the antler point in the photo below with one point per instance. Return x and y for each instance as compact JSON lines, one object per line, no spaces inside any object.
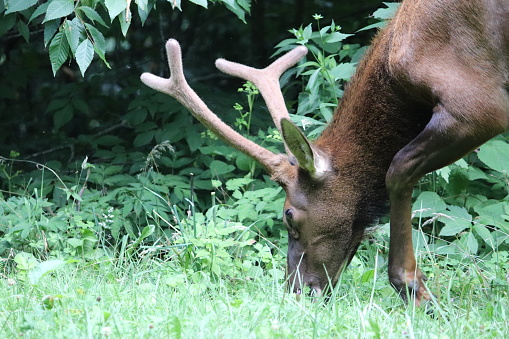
{"x":172,"y":42}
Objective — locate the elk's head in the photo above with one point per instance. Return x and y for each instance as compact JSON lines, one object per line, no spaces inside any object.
{"x":322,"y":236}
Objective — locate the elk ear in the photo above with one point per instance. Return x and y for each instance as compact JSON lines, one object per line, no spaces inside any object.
{"x":309,"y":157}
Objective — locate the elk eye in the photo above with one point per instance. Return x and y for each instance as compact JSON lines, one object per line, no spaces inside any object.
{"x":289,"y":215}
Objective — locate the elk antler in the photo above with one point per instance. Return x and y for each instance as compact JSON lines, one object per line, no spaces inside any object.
{"x":265,"y":79}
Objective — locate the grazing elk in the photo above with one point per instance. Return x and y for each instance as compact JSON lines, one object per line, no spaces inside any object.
{"x":432,"y":88}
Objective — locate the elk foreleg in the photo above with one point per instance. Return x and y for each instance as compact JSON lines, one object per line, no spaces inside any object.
{"x":446,"y":138}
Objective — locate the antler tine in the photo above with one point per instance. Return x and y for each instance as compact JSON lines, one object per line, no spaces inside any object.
{"x":267,"y":80}
{"x":177,"y":87}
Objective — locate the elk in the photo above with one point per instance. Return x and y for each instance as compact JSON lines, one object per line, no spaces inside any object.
{"x":431,"y":88}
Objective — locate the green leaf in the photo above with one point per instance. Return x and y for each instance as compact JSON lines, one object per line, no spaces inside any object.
{"x":39,"y":11}
{"x":147,"y":231}
{"x":63,"y":116}
{"x":336,"y":37}
{"x":237,"y":183}
{"x":343,"y":71}
{"x":25,"y":261}
{"x":427,"y":204}
{"x":7,"y":22}
{"x":306,"y":33}
{"x":58,"y":51}
{"x":245,"y":4}
{"x":19,"y":5}
{"x":494,"y":154}
{"x":143,"y":13}
{"x":73,"y":32}
{"x":227,"y":230}
{"x":312,"y":82}
{"x":143,"y":4}
{"x":387,"y":13}
{"x":493,"y":213}
{"x":143,"y":139}
{"x":124,"y":24}
{"x":219,"y":168}
{"x":84,"y":55}
{"x":115,"y":7}
{"x":202,"y":3}
{"x":235,"y":8}
{"x":23,"y":30}
{"x":99,"y":43}
{"x":97,"y":36}
{"x":59,"y":9}
{"x":456,"y":220}
{"x":380,"y":24}
{"x":50,"y":28}
{"x":485,"y":235}
{"x":444,"y":173}
{"x":469,"y":242}
{"x":43,"y":268}
{"x":75,"y":242}
{"x":92,"y":15}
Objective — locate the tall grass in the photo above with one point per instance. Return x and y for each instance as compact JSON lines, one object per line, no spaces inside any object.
{"x":155,"y":299}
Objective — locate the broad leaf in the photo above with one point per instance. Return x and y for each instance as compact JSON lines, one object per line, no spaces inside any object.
{"x":25,"y":261}
{"x":115,"y":7}
{"x":73,"y":31}
{"x":387,"y":13}
{"x":125,"y":21}
{"x":485,"y":234}
{"x":143,"y":4}
{"x":246,"y":4}
{"x":23,"y":30}
{"x":202,"y":3}
{"x":143,"y":139}
{"x":84,"y":55}
{"x":336,"y":37}
{"x":7,"y":22}
{"x":58,"y":51}
{"x":98,"y":38}
{"x":494,"y":154}
{"x":50,"y":28}
{"x":427,"y":204}
{"x":92,"y":14}
{"x":343,"y":71}
{"x":235,"y":8}
{"x":456,"y":220}
{"x":63,"y":116}
{"x":59,"y":9}
{"x":219,"y":168}
{"x":19,"y":5}
{"x":237,"y":183}
{"x":43,"y":268}
{"x":99,"y":42}
{"x":39,"y":11}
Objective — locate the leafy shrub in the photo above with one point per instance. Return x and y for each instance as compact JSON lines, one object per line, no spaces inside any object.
{"x":75,"y":32}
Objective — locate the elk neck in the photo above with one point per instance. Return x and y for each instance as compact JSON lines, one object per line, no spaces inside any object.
{"x":373,"y":121}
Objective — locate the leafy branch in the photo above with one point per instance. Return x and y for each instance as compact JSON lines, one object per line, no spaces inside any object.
{"x":71,"y":26}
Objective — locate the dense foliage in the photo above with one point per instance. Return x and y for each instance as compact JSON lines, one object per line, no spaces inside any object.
{"x":95,"y":167}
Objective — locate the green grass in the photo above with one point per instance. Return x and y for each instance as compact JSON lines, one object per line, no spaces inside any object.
{"x":154,"y":299}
